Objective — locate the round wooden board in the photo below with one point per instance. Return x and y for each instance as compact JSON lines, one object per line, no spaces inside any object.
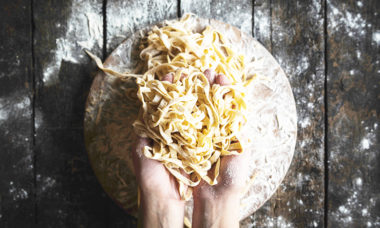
{"x":112,"y":107}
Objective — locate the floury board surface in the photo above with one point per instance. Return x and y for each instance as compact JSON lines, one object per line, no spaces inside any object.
{"x":328,"y":49}
{"x":269,"y":135}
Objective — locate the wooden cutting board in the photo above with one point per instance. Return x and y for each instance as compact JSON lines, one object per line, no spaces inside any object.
{"x":112,"y":107}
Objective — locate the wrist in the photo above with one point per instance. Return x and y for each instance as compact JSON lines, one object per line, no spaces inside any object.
{"x":157,"y":211}
{"x":217,"y":211}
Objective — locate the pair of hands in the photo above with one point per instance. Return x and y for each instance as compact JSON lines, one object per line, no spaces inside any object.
{"x":214,"y":206}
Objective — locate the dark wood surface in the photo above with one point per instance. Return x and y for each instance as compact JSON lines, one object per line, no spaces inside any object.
{"x":353,"y":98}
{"x":329,"y":49}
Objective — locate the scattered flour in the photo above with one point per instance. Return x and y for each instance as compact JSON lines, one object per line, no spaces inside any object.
{"x":4,"y":113}
{"x":304,"y":122}
{"x":272,"y":222}
{"x":302,"y":65}
{"x":352,"y":23}
{"x":38,"y":118}
{"x":365,"y":212}
{"x":359,"y":181}
{"x":84,"y":29}
{"x":376,"y":37}
{"x":365,"y":143}
{"x":14,"y":106}
{"x":369,"y":138}
{"x":343,"y":209}
{"x":46,"y":182}
{"x":121,"y":25}
{"x":262,"y":24}
{"x":17,"y":193}
{"x":24,"y":103}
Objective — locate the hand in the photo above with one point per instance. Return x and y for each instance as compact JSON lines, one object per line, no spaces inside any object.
{"x":218,"y":205}
{"x":160,"y":204}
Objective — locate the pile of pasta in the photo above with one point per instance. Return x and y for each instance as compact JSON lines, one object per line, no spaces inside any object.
{"x":192,"y":122}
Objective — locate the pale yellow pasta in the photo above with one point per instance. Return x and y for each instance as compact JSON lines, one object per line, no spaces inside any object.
{"x":191,"y":122}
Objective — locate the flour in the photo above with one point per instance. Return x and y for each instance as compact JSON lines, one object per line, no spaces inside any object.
{"x":18,"y":106}
{"x":305,"y":122}
{"x":310,"y":106}
{"x":355,"y":205}
{"x":376,"y":37}
{"x":262,"y":24}
{"x":38,"y":118}
{"x":359,"y":182}
{"x":365,"y":212}
{"x":17,"y":193}
{"x":126,"y":17}
{"x":352,"y":23}
{"x":302,"y":65}
{"x":269,"y":221}
{"x":4,"y":113}
{"x":343,"y":209}
{"x":24,"y":103}
{"x":365,"y":143}
{"x":84,"y":29}
{"x":369,"y":138}
{"x":46,"y":182}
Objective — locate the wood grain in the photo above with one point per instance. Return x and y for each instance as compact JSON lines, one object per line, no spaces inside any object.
{"x":297,"y":42}
{"x":126,"y":17}
{"x":236,"y":13}
{"x":68,"y":194}
{"x":353,"y":113}
{"x":123,"y":18}
{"x":262,"y":23}
{"x":16,"y":120}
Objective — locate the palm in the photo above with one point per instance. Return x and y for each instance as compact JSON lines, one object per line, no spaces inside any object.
{"x":152,"y":175}
{"x":232,"y":177}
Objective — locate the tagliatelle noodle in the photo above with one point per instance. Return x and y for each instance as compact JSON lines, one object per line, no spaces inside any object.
{"x":192,"y":123}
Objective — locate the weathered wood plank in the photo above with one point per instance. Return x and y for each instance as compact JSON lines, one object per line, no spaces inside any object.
{"x":296,"y":40}
{"x":353,"y":71}
{"x":126,"y":17}
{"x":68,"y":194}
{"x":237,"y":12}
{"x":123,"y":18}
{"x":16,"y":118}
{"x":262,"y":22}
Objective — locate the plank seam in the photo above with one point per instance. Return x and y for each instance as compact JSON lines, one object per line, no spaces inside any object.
{"x":104,"y":13}
{"x":326,"y":177}
{"x":179,"y":14}
{"x":104,"y":56}
{"x":253,"y":18}
{"x":271,"y":26}
{"x":34,"y":86}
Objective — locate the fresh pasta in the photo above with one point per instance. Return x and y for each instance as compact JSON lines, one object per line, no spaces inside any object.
{"x":192,"y":121}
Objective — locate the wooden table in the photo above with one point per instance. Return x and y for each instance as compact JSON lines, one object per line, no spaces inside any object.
{"x":329,"y":49}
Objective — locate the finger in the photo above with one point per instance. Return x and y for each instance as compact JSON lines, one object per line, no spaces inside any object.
{"x":234,"y":167}
{"x":137,"y":151}
{"x":210,"y":75}
{"x":222,"y":80}
{"x":168,"y":77}
{"x":183,"y":75}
